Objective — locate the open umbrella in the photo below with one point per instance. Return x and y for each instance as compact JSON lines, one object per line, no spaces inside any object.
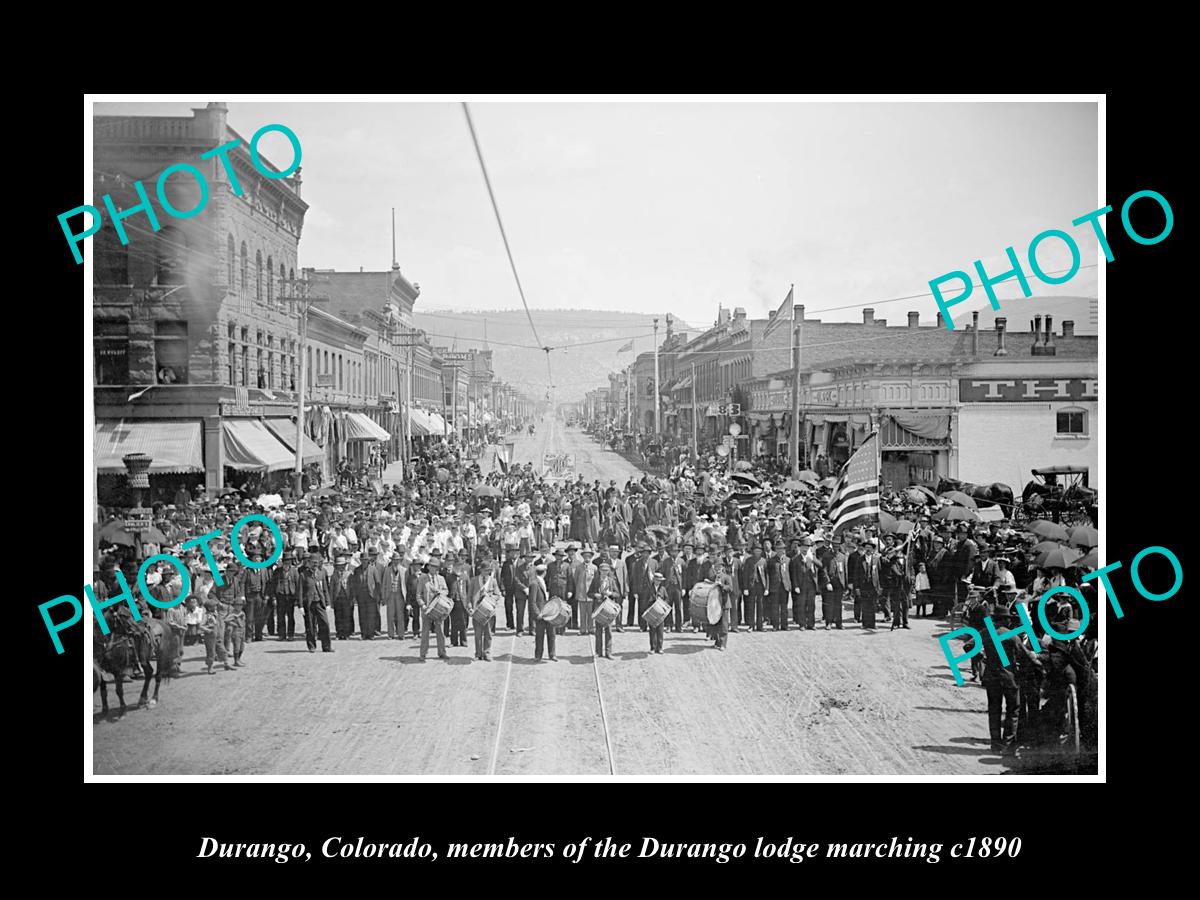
{"x":904,"y":526}
{"x":1091,"y":560}
{"x":745,"y":479}
{"x":956,"y":514}
{"x":1061,"y":558}
{"x":829,"y":482}
{"x":1084,"y":536}
{"x":152,"y":535}
{"x":1048,"y":530}
{"x":887,"y":522}
{"x":926,"y":492}
{"x":743,"y":465}
{"x":793,"y":485}
{"x":809,"y":475}
{"x":487,"y":490}
{"x":1046,"y":546}
{"x":114,"y":533}
{"x":960,"y":499}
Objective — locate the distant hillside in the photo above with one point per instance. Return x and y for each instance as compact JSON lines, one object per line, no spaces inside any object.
{"x":578,"y":369}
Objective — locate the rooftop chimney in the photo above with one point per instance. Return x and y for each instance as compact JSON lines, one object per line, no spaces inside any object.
{"x":739,"y":312}
{"x":1001,"y":328}
{"x":868,"y":316}
{"x":1049,"y":349}
{"x":975,"y":333}
{"x":1068,"y":328}
{"x":799,"y":312}
{"x":914,"y":319}
{"x":1037,"y":332}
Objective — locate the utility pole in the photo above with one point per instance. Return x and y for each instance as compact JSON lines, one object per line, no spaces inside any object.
{"x":794,"y":437}
{"x":695,"y":420}
{"x":301,"y":294}
{"x":657,"y":426}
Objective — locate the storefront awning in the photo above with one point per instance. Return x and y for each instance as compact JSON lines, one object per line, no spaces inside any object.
{"x":175,"y":447}
{"x":420,"y":423}
{"x":437,"y":425}
{"x":360,"y":428}
{"x":895,"y":434}
{"x":285,"y":431}
{"x":250,"y":446}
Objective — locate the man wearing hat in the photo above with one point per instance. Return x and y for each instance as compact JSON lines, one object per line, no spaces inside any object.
{"x":522,"y":585}
{"x":211,"y":628}
{"x":433,"y":585}
{"x":804,"y":584}
{"x":313,"y":595}
{"x":254,"y":584}
{"x":508,"y":578}
{"x":341,"y":597}
{"x":833,"y":571}
{"x":658,"y":580}
{"x":395,"y":598}
{"x":364,"y":600}
{"x":621,"y":575}
{"x":537,"y":599}
{"x":583,"y":574}
{"x":285,"y":584}
{"x":605,"y":586}
{"x":641,"y":581}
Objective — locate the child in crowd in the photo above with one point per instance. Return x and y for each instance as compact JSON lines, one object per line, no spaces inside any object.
{"x":195,"y":618}
{"x":922,"y":588}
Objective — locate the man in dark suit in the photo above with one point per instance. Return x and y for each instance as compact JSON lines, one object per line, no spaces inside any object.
{"x":855,"y":574}
{"x":777,"y":568}
{"x":642,"y":580}
{"x":754,"y":587}
{"x":521,"y":587}
{"x":833,"y":568}
{"x":804,"y":587}
{"x":508,"y":578}
{"x":738,"y":595}
{"x":537,"y":599}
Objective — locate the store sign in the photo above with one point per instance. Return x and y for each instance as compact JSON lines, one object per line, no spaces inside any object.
{"x":139,"y":520}
{"x":558,"y":465}
{"x":1025,"y":390}
{"x":239,"y":405}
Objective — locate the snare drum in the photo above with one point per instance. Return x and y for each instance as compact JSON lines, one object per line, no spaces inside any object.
{"x":485,"y":610}
{"x":606,"y":614}
{"x":657,"y":613}
{"x":555,"y":612}
{"x":439,"y":608}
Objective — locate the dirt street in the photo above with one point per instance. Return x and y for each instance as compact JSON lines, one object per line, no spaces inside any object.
{"x":789,"y":703}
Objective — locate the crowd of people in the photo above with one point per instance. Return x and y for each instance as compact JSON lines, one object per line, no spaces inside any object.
{"x":453,"y":549}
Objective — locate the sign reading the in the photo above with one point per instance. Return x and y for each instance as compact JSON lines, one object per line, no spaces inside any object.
{"x":1025,"y":390}
{"x":558,"y":465}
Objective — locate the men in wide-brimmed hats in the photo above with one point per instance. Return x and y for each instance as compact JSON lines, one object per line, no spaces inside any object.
{"x":538,"y":596}
{"x":314,"y":600}
{"x":341,"y":597}
{"x":285,"y":585}
{"x":254,"y":584}
{"x":641,"y":582}
{"x":583,"y":573}
{"x":433,"y":585}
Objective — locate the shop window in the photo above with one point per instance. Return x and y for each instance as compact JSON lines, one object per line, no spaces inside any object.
{"x":171,"y":352}
{"x":1072,"y":422}
{"x":111,"y":356}
{"x":232,"y":364}
{"x":261,"y":377}
{"x":245,"y":379}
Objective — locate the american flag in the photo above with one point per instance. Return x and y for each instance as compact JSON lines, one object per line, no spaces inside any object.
{"x":626,"y":348}
{"x":856,"y":495}
{"x":785,"y":313}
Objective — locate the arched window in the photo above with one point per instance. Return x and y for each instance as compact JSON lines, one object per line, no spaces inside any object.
{"x":258,"y":275}
{"x":231,"y":262}
{"x":285,"y":289}
{"x":170,"y":256}
{"x":245,"y":269}
{"x":270,"y":281}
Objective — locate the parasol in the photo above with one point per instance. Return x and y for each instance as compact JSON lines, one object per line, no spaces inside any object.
{"x":960,"y":499}
{"x":926,"y":494}
{"x":743,"y":465}
{"x":887,"y":522}
{"x":114,"y":533}
{"x":487,"y":490}
{"x":1048,"y":530}
{"x":1084,"y":536}
{"x":956,"y":514}
{"x":903,"y":526}
{"x":1060,"y":558}
{"x":809,"y":475}
{"x":1090,"y":560}
{"x":745,"y":479}
{"x":793,"y":485}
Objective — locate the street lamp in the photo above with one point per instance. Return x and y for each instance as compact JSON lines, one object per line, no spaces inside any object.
{"x":137,"y":470}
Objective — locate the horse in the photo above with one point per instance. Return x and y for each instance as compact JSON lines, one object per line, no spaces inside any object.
{"x":115,"y":654}
{"x":994,"y":494}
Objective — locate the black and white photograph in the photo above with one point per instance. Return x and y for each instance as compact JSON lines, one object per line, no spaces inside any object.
{"x":571,"y":438}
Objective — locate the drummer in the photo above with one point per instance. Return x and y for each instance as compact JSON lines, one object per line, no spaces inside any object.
{"x":714,"y":571}
{"x":659,"y":593}
{"x":485,"y":585}
{"x":432,"y":586}
{"x":605,"y":586}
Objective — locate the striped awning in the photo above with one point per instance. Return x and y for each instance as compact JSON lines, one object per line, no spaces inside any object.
{"x":250,"y":446}
{"x":362,"y":428}
{"x":175,"y":447}
{"x":285,"y":431}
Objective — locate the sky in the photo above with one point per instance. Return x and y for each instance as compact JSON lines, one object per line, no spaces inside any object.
{"x":677,"y":206}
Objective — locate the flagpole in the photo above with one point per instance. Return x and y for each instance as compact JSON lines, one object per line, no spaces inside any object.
{"x":794,"y":437}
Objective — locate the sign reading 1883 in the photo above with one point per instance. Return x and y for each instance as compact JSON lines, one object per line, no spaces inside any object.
{"x":1027,"y":390}
{"x":558,"y":466}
